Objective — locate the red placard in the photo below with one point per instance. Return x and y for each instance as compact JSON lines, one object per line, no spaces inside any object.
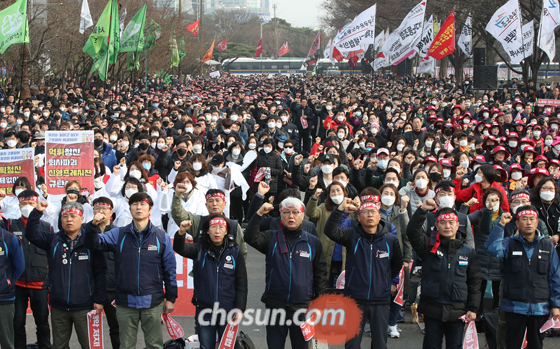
{"x":551,"y":102}
{"x":173,"y":328}
{"x":95,"y":330}
{"x":15,"y":163}
{"x":69,"y":156}
{"x":229,"y":336}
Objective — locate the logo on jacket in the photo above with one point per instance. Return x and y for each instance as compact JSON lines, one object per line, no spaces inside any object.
{"x":303,"y":254}
{"x":152,"y":248}
{"x":228,"y":262}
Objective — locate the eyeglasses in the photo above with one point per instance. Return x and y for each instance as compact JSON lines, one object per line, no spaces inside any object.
{"x":288,"y":146}
{"x":290,"y":213}
{"x":101,"y":208}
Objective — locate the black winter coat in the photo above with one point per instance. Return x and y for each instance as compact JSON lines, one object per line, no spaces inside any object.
{"x":273,"y":161}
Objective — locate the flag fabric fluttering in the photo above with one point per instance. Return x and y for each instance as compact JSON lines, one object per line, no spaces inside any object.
{"x":85,"y":17}
{"x":209,"y":54}
{"x":465,"y":40}
{"x":152,"y":33}
{"x":444,"y":42}
{"x":122,"y":18}
{"x":100,"y":32}
{"x":222,"y":45}
{"x":423,"y":45}
{"x":132,"y":38}
{"x":550,"y":19}
{"x":259,"y":49}
{"x":15,"y":29}
{"x":193,"y":27}
{"x":505,"y":26}
{"x":360,"y":32}
{"x":174,"y":51}
{"x":283,"y":49}
{"x":313,"y":54}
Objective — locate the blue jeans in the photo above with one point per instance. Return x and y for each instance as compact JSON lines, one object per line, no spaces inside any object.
{"x":207,"y":334}
{"x":394,"y":313}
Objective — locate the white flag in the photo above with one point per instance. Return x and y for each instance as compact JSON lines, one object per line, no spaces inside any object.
{"x":505,"y":26}
{"x":423,"y":45}
{"x":401,"y":42}
{"x":85,"y":18}
{"x":380,"y":61}
{"x":328,"y":50}
{"x":528,"y":37}
{"x":465,"y":40}
{"x":379,"y":40}
{"x":550,"y":18}
{"x":361,"y":31}
{"x":427,"y":66}
{"x":122,"y":18}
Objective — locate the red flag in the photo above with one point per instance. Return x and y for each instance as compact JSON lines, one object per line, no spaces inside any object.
{"x":95,"y":329}
{"x":209,"y":53}
{"x":336,"y":54}
{"x":259,"y":49}
{"x":173,"y":328}
{"x":470,"y":341}
{"x":444,"y":42}
{"x":400,"y":289}
{"x":524,"y":345}
{"x":312,"y":56}
{"x":283,"y":49}
{"x":229,"y":336}
{"x":222,"y":45}
{"x":193,"y":27}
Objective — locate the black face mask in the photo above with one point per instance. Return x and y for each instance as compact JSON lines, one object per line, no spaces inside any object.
{"x":479,"y":151}
{"x":435,"y":176}
{"x":143,"y":146}
{"x":448,"y":132}
{"x":98,"y":142}
{"x":181,"y":152}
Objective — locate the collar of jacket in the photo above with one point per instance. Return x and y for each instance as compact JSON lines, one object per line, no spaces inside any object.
{"x":382,"y":229}
{"x":517,"y":235}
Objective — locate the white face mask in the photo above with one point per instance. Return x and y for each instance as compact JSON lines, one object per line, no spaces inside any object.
{"x":234,"y":117}
{"x":429,"y":144}
{"x":130,"y":192}
{"x":267,"y":149}
{"x":135,"y":174}
{"x":387,"y":109}
{"x":362,"y":144}
{"x":519,"y":108}
{"x":252,"y":146}
{"x":227,"y":131}
{"x":400,"y":147}
{"x":280,"y":145}
{"x":547,"y":195}
{"x":160,"y":145}
{"x":11,"y":143}
{"x":446,"y":173}
{"x":189,"y":187}
{"x":436,"y":150}
{"x":26,"y":210}
{"x":154,"y":145}
{"x":465,"y":164}
{"x":18,"y":191}
{"x":289,"y":151}
{"x":284,"y":118}
{"x":113,"y":138}
{"x":340,"y":118}
{"x":197,"y":148}
{"x":236,"y":151}
{"x":327,"y":169}
{"x":271,"y":125}
{"x":387,"y":200}
{"x":155,"y":134}
{"x":485,"y":133}
{"x":512,"y":144}
{"x":197,"y":166}
{"x":446,"y":202}
{"x":548,"y":142}
{"x":98,"y":182}
{"x":125,"y":143}
{"x":396,"y":184}
{"x":279,"y":125}
{"x":421,"y":183}
{"x":217,"y":169}
{"x":337,"y":199}
{"x":26,"y":113}
{"x":537,"y":133}
{"x":494,"y":208}
{"x":229,"y":143}
{"x":478,"y":179}
{"x":463,"y":143}
{"x":189,"y":129}
{"x":516,"y":175}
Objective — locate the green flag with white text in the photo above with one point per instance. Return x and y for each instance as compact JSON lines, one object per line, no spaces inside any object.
{"x":15,"y":27}
{"x":100,"y":33}
{"x":132,"y":39}
{"x":110,"y":44}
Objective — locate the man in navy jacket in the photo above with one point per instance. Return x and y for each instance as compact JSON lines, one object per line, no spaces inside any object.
{"x":12,"y":264}
{"x":144,"y":261}
{"x":76,"y":275}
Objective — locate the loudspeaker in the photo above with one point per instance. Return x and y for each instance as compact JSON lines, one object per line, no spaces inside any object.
{"x":485,"y":77}
{"x":479,"y":56}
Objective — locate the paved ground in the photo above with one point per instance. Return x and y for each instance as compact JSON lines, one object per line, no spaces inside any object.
{"x":411,"y":336}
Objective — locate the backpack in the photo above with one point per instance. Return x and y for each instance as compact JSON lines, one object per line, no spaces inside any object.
{"x":243,"y":341}
{"x":174,"y":344}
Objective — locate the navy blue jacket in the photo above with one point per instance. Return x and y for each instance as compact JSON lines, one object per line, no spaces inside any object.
{"x":12,"y":264}
{"x":78,"y":283}
{"x":296,"y":269}
{"x":108,"y":155}
{"x":372,"y":260}
{"x":142,"y":267}
{"x":220,"y":274}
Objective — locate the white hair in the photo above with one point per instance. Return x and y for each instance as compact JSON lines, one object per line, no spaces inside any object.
{"x":292,"y":202}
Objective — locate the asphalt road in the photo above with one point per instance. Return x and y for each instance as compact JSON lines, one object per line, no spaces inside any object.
{"x":411,"y":335}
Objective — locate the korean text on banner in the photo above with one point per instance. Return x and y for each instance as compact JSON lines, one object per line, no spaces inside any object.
{"x":505,"y":26}
{"x":229,"y":337}
{"x":361,"y":31}
{"x":444,"y":42}
{"x":16,"y":163}
{"x":95,"y":330}
{"x":69,"y":156}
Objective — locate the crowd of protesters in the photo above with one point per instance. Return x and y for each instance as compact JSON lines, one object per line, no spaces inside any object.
{"x":365,"y":174}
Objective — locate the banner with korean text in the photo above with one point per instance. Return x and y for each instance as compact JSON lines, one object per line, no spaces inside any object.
{"x":15,"y":163}
{"x":69,"y":156}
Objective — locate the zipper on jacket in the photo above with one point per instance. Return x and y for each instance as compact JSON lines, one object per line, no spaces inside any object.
{"x":217,"y":280}
{"x":69,"y":276}
{"x":290,"y":286}
{"x":370,"y":267}
{"x":139,"y":249}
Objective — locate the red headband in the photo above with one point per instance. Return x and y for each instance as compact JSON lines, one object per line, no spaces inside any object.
{"x":218,"y":221}
{"x":520,"y":196}
{"x":370,"y":198}
{"x":527,"y":213}
{"x":30,"y":198}
{"x":452,"y":216}
{"x":72,"y":210}
{"x":107,"y":205}
{"x":216,"y":195}
{"x":368,"y":205}
{"x":451,"y":189}
{"x":146,"y":201}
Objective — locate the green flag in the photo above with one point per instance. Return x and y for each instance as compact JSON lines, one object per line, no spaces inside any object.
{"x":98,"y":37}
{"x":109,"y":50}
{"x":174,"y":51}
{"x":132,"y":39}
{"x":152,"y":33}
{"x":182,"y":50}
{"x":132,"y":61}
{"x":15,"y":27}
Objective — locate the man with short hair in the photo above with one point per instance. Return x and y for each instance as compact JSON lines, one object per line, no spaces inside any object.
{"x":375,"y":258}
{"x":531,"y":277}
{"x":145,"y":259}
{"x":450,"y":276}
{"x":288,"y":248}
{"x":76,"y":275}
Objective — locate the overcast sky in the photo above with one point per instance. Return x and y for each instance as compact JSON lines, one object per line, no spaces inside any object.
{"x":299,"y":13}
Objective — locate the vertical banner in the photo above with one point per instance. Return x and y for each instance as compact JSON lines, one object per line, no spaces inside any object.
{"x":229,"y":337}
{"x":69,"y":156}
{"x":15,"y":163}
{"x":95,"y":330}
